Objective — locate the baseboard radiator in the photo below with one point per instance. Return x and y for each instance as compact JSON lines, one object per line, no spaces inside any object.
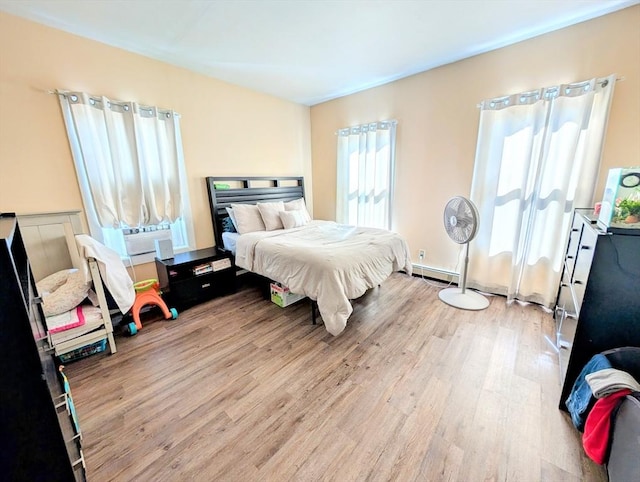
{"x":440,"y":274}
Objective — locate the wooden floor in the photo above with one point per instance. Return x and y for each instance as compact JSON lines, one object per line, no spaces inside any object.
{"x":238,"y":389}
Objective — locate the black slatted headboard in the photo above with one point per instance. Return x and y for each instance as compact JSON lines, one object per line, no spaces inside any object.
{"x":248,"y":190}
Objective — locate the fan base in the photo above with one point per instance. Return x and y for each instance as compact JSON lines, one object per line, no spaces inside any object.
{"x":469,"y":300}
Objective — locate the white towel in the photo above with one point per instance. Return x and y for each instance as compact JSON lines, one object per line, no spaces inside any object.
{"x":112,"y":269}
{"x":605,"y":382}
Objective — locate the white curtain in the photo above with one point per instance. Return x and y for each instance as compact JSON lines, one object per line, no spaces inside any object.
{"x":128,"y":159}
{"x":365,"y":164}
{"x":537,"y":158}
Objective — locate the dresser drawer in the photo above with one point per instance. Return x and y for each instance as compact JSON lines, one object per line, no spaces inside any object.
{"x":566,"y":300}
{"x":572,"y":250}
{"x":584,"y":256}
{"x":579,"y":285}
{"x":589,"y":238}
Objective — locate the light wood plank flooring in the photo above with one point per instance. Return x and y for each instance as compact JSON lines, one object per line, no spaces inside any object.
{"x":238,"y":389}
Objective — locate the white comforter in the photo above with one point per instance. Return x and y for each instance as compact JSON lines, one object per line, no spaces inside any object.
{"x":112,"y":270}
{"x":328,"y":262}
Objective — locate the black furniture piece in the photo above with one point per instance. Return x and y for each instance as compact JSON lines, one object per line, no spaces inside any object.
{"x":223,"y":191}
{"x":247,"y":190}
{"x":38,"y":436}
{"x":196,"y":276}
{"x":598,"y":304}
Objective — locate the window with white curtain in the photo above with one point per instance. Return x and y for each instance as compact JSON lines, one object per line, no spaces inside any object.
{"x":130,"y":167}
{"x":365,"y":166}
{"x":537,"y":158}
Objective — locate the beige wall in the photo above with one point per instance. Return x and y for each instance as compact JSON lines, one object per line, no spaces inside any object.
{"x":226,"y":130}
{"x":230,"y":130}
{"x":438,"y":119}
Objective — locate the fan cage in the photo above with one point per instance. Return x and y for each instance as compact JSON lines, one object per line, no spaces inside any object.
{"x":460,"y":219}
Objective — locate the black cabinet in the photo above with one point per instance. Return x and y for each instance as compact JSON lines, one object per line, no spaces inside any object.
{"x":39,"y":438}
{"x":598,"y":305}
{"x":196,"y":276}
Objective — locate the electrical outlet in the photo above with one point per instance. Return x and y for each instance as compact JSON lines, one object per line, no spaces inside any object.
{"x":421,"y":254}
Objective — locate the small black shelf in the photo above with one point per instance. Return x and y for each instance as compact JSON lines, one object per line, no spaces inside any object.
{"x":196,"y":276}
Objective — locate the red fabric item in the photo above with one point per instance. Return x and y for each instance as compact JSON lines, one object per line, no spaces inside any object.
{"x":596,"y":430}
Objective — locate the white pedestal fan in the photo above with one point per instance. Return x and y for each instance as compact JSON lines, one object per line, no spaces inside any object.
{"x":461,"y":224}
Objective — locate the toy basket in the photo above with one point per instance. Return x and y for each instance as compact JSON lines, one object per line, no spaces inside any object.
{"x":83,"y":351}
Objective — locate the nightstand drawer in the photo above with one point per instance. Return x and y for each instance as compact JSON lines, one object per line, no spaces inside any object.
{"x":202,"y":288}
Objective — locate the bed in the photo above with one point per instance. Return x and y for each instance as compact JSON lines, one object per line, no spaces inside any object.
{"x":328,"y":262}
{"x":57,"y":249}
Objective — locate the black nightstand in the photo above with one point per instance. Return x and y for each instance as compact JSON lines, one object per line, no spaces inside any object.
{"x":196,"y":276}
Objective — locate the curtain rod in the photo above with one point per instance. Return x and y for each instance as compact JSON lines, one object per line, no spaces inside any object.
{"x":390,"y":121}
{"x":601,"y":81}
{"x":116,"y":102}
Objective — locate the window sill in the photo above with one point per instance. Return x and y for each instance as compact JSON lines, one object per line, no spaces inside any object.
{"x":149,"y":257}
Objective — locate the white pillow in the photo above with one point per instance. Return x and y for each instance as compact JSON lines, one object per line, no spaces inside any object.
{"x":269,"y":212}
{"x":294,"y":219}
{"x":54,"y":281}
{"x":233,"y":217}
{"x":60,"y":297}
{"x":248,"y":218}
{"x":298,"y":205}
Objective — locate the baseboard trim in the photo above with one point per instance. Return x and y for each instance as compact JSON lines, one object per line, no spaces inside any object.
{"x":425,"y":271}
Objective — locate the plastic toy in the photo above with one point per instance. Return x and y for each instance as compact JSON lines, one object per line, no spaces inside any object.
{"x":148,"y":293}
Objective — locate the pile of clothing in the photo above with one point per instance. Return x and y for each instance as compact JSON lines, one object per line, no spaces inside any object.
{"x":593,"y":403}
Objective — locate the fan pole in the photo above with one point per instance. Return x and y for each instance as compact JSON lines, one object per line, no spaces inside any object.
{"x":463,"y":284}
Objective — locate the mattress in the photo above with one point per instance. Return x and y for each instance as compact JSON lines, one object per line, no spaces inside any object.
{"x":230,"y":240}
{"x":325,"y":261}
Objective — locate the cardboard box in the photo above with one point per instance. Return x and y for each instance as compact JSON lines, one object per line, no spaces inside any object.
{"x":622,"y":190}
{"x":282,"y":297}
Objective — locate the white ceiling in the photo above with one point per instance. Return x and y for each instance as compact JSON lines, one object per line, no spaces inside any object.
{"x":310,"y":51}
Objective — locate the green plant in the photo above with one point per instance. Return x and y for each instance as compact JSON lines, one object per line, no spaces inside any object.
{"x":629,"y":207}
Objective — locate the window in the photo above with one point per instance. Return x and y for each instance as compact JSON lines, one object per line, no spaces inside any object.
{"x":537,"y":158}
{"x":365,"y":163}
{"x":130,"y":167}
